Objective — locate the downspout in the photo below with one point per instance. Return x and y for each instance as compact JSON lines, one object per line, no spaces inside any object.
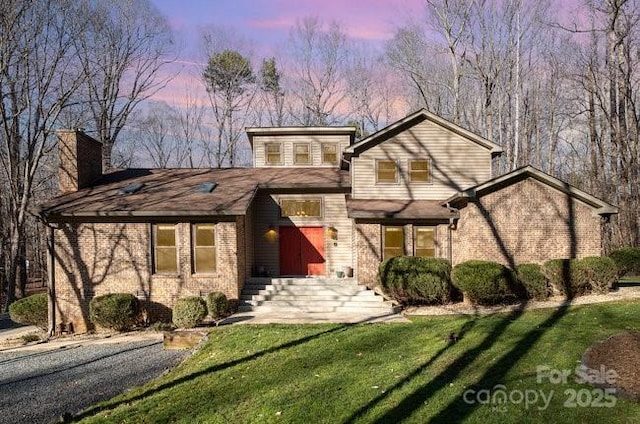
{"x":51,"y":283}
{"x":452,"y":226}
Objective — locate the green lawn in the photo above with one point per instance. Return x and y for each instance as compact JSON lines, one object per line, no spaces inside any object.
{"x":387,"y":373}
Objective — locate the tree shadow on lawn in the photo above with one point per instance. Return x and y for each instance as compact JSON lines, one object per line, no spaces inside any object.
{"x":457,"y":409}
{"x":416,"y":372}
{"x":215,"y":368}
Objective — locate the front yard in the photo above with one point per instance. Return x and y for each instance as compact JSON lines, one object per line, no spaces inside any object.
{"x":388,"y":373}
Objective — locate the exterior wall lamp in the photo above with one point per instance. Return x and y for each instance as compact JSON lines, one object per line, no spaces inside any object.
{"x":332,"y":232}
{"x":272,"y":234}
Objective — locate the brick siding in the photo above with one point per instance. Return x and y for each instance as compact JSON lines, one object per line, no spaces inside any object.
{"x":526,"y":222}
{"x":369,"y":253}
{"x":97,"y":259}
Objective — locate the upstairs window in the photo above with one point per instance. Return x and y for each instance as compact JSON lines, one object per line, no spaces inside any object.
{"x":165,"y":254}
{"x":273,"y":154}
{"x":301,"y":154}
{"x":424,"y":242}
{"x":419,"y":171}
{"x":330,"y":153}
{"x":386,"y":171}
{"x":204,"y":248}
{"x":310,"y":208}
{"x":393,"y":242}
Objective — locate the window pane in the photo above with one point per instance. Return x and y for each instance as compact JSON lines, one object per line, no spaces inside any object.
{"x":393,"y":242}
{"x":329,"y":153}
{"x":295,"y":207}
{"x":166,"y":260}
{"x":301,"y":153}
{"x":205,"y":259}
{"x":419,"y":171}
{"x":165,"y":235}
{"x":204,"y":250}
{"x":273,"y":153}
{"x":425,"y":242}
{"x":387,"y":171}
{"x":205,"y":235}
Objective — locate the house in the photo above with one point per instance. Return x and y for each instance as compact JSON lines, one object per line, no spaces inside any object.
{"x":315,"y":203}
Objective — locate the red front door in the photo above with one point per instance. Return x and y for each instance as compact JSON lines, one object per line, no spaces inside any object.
{"x":301,"y":251}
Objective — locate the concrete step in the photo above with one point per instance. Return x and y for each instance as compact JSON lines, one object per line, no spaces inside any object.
{"x":301,"y":281}
{"x":312,"y":303}
{"x":284,"y":309}
{"x":362,"y":297}
{"x":293,"y":295}
{"x":311,"y":290}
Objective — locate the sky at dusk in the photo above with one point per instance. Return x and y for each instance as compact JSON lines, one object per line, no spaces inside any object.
{"x":265,"y":24}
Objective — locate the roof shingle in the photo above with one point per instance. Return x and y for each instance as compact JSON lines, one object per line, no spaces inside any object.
{"x":174,"y":192}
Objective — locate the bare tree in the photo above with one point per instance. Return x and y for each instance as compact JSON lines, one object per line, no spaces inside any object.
{"x":318,"y":54}
{"x":370,"y":91}
{"x":38,"y":76}
{"x":122,"y":53}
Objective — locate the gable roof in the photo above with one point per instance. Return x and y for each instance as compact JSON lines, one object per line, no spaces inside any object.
{"x":600,"y":206}
{"x":412,"y":120}
{"x":180,"y":192}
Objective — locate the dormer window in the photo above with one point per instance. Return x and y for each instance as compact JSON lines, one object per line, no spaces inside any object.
{"x":330,"y":153}
{"x":386,"y":171}
{"x":273,"y":154}
{"x":301,"y":154}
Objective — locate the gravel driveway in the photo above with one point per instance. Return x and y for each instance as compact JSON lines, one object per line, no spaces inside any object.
{"x":39,"y":386}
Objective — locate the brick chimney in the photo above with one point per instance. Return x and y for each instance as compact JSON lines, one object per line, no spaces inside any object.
{"x":80,"y":158}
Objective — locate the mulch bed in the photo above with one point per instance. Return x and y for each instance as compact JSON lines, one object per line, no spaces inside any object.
{"x":622,"y":354}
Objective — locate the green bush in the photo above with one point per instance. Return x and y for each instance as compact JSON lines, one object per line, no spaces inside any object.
{"x":600,"y":273}
{"x":189,"y":312}
{"x":533,"y":281}
{"x":577,"y":277}
{"x":217,"y":304}
{"x":415,"y":280}
{"x":563,"y":275}
{"x":627,"y":260}
{"x":31,"y":310}
{"x":486,"y":283}
{"x":117,"y":311}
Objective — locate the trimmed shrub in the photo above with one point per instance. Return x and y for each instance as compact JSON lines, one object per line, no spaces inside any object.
{"x":486,"y":282}
{"x":563,"y":275}
{"x":577,"y":277}
{"x":31,"y":310}
{"x":627,"y":260}
{"x":117,"y":311}
{"x":189,"y":312}
{"x":217,"y":304}
{"x":533,"y":281}
{"x":600,"y":273}
{"x":415,"y":280}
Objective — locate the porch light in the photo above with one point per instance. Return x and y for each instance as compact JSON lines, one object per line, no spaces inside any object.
{"x":332,"y":232}
{"x":272,"y":234}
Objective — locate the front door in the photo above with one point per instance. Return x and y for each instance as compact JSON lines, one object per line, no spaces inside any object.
{"x":302,"y":251}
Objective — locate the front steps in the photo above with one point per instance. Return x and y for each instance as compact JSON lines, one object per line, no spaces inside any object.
{"x":312,"y":295}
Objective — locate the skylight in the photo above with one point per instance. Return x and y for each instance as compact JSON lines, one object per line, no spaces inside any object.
{"x":207,"y":187}
{"x":131,"y":188}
